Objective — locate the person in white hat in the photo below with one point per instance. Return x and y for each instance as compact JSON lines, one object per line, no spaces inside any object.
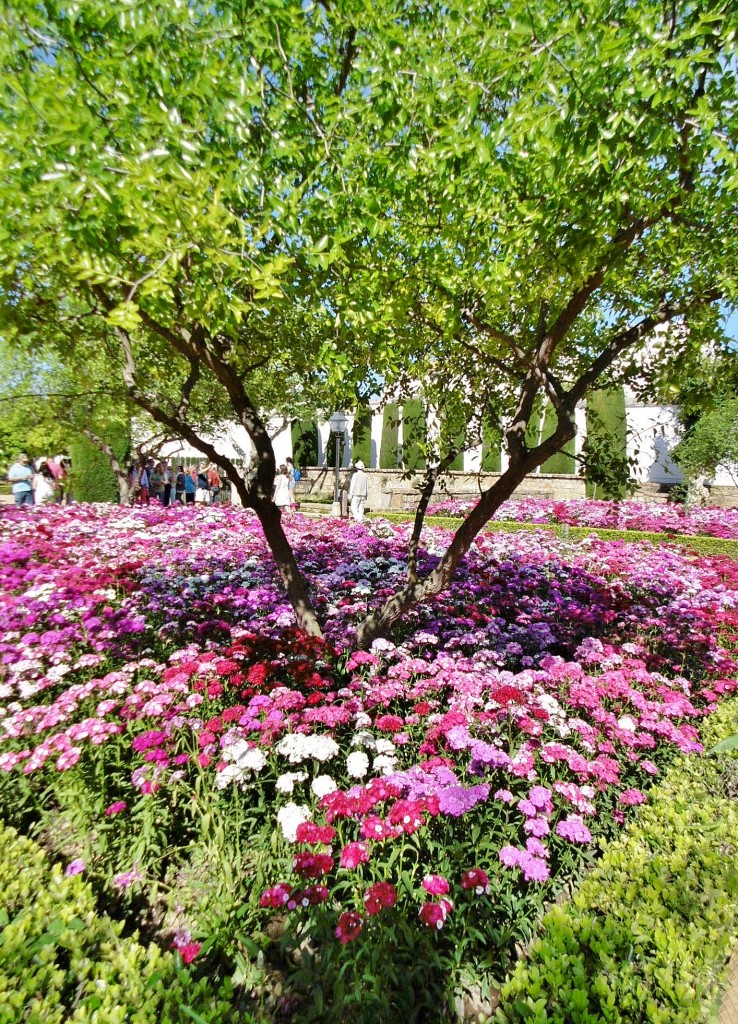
{"x":358,"y":491}
{"x":43,"y":482}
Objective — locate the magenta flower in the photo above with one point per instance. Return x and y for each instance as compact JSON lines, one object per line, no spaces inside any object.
{"x":188,"y":950}
{"x":276,"y":896}
{"x":436,"y":885}
{"x":116,"y":808}
{"x":349,"y":927}
{"x":534,"y":868}
{"x":354,"y":854}
{"x":75,"y":867}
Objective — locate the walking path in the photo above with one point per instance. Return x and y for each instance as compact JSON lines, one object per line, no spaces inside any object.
{"x":729,"y":1003}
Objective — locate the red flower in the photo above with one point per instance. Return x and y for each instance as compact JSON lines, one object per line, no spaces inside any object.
{"x":189,"y":951}
{"x":312,"y":865}
{"x":434,"y":915}
{"x":310,"y":896}
{"x":309,"y":832}
{"x":379,"y":895}
{"x":349,"y":927}
{"x":476,"y":879}
{"x":389,"y":723}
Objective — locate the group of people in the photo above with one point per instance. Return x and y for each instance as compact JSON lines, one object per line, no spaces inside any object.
{"x":45,"y":480}
{"x":158,"y":481}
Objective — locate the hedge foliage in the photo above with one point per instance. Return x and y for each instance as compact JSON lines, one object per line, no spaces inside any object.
{"x":700,"y":544}
{"x":647,"y":936}
{"x":61,"y":961}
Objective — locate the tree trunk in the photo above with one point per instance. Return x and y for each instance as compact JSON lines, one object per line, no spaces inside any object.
{"x":294,"y":582}
{"x":380,"y":621}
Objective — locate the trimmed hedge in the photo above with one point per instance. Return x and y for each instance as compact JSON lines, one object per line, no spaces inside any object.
{"x":61,"y":961}
{"x":699,"y":543}
{"x":647,"y":936}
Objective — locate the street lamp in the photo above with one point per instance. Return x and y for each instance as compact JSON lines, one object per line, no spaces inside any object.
{"x":338,"y":424}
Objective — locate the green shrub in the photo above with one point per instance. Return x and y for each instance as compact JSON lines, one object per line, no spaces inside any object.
{"x":647,"y":936}
{"x":61,"y":961}
{"x":93,"y":478}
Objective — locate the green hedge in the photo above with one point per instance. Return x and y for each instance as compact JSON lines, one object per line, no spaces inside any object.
{"x":92,"y":477}
{"x":701,"y":545}
{"x":647,"y":936}
{"x":61,"y":961}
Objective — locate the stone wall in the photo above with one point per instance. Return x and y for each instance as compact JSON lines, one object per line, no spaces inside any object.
{"x":391,"y":489}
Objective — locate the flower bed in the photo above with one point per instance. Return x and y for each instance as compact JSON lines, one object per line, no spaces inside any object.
{"x":608,"y":515}
{"x":393,"y":820}
{"x":649,"y":934}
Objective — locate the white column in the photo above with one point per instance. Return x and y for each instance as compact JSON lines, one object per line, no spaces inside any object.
{"x":473,"y":459}
{"x":324,"y":434}
{"x":375,"y":438}
{"x":348,"y":441}
{"x":580,"y":423}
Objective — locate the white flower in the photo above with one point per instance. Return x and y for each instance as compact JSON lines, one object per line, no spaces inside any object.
{"x":233,"y":751}
{"x":289,"y":817}
{"x":383,"y":746}
{"x":627,"y":723}
{"x":253,"y":760}
{"x":231,"y":773}
{"x":296,"y":747}
{"x":384,"y":764}
{"x":364,"y":738}
{"x":323,"y":784}
{"x":357,"y":764}
{"x":286,"y":783}
{"x":362,"y":720}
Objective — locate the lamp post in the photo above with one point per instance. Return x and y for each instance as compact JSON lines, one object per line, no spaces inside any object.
{"x":338,"y":426}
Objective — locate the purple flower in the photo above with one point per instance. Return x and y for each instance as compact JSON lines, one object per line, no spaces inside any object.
{"x":75,"y":867}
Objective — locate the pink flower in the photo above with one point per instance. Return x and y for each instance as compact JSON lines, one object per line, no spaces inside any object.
{"x":354,"y":854}
{"x":631,"y":797}
{"x":434,"y":915}
{"x":379,"y":895}
{"x":349,"y":927}
{"x":126,"y":878}
{"x":116,"y":808}
{"x":534,"y":868}
{"x":510,"y":856}
{"x":476,"y":879}
{"x":505,"y":795}
{"x":436,"y":885}
{"x":75,"y":867}
{"x":574,"y":829}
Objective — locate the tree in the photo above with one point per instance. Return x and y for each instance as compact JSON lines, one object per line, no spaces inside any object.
{"x":501,"y":203}
{"x":711,"y":442}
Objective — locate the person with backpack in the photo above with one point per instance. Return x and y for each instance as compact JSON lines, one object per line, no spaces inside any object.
{"x":295,"y":476}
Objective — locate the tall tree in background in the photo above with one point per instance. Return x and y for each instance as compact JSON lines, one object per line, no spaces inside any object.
{"x":497,"y":201}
